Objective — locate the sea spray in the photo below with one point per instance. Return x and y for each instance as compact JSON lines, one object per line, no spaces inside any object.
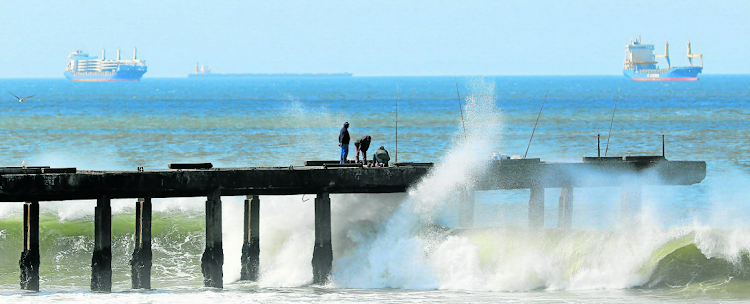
{"x":287,"y":232}
{"x":286,"y":241}
{"x":308,"y":122}
{"x":395,"y":257}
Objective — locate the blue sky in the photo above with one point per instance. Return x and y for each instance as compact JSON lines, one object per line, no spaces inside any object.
{"x":371,"y":38}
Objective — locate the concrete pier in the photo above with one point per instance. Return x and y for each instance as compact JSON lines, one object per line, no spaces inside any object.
{"x":140,"y":263}
{"x":565,"y":208}
{"x":213,"y":257}
{"x":190,"y":180}
{"x":502,"y":174}
{"x":536,"y":207}
{"x":322,"y":260}
{"x":251,"y":242}
{"x":30,"y":260}
{"x":101,"y":260}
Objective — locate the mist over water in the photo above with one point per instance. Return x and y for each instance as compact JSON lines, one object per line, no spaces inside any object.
{"x":690,"y":242}
{"x":396,"y":256}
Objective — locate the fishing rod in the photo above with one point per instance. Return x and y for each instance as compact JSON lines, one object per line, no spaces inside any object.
{"x":397,"y":124}
{"x":537,"y":121}
{"x":611,"y":122}
{"x":461,"y":107}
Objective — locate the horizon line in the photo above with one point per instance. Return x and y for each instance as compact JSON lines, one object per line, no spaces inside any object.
{"x":354,"y":75}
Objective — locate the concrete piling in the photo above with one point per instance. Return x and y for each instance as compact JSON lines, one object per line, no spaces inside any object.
{"x":565,"y":208}
{"x":631,"y":202}
{"x":213,"y":257}
{"x":101,"y":260}
{"x":466,"y":208}
{"x":251,"y":247}
{"x":30,"y":260}
{"x":536,"y":207}
{"x":322,"y":260}
{"x":140,"y":263}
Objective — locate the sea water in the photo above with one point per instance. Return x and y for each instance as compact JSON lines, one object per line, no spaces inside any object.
{"x":691,"y":243}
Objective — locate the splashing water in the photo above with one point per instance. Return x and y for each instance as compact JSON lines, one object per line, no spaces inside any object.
{"x":395,"y":258}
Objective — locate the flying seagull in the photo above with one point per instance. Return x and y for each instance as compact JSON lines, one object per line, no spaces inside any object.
{"x":19,"y":98}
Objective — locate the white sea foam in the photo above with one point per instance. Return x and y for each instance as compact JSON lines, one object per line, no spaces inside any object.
{"x":395,"y":257}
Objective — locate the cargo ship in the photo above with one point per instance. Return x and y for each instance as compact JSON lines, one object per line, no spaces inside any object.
{"x":205,"y":72}
{"x":641,"y":65}
{"x":83,"y":67}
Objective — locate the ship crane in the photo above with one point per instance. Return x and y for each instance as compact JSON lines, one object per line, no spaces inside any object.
{"x":690,"y":55}
{"x":666,"y":54}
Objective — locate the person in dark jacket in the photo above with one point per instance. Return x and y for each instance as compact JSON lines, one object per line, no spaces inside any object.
{"x":362,"y":144}
{"x":380,"y":158}
{"x":344,"y":142}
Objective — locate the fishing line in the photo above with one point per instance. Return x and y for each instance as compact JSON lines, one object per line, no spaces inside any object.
{"x":537,"y":121}
{"x":460,"y":107}
{"x":611,"y":122}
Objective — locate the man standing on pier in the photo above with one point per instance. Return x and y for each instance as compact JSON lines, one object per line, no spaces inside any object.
{"x":362,"y":144}
{"x":344,"y":142}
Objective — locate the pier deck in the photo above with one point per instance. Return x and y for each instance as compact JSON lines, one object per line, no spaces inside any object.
{"x":503,"y":174}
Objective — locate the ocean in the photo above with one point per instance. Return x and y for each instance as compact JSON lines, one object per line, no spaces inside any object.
{"x":690,"y":243}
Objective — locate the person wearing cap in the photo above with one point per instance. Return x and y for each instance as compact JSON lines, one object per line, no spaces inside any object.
{"x":380,"y":158}
{"x":362,"y":144}
{"x":344,"y":142}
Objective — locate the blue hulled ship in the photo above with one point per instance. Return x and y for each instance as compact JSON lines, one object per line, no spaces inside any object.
{"x":83,"y":67}
{"x":641,"y":65}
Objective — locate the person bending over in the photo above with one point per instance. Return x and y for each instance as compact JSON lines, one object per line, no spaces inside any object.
{"x":361,"y":145}
{"x":381,"y":157}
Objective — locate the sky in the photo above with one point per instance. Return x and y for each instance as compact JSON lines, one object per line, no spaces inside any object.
{"x":371,"y":38}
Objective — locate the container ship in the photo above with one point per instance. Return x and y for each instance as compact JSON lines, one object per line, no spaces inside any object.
{"x":641,"y":65}
{"x":83,"y":67}
{"x":205,"y":72}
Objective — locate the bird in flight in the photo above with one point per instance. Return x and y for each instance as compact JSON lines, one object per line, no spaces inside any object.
{"x":19,"y":98}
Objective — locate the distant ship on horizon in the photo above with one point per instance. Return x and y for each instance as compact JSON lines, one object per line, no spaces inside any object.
{"x":205,"y":72}
{"x":83,"y":67}
{"x":641,"y":65}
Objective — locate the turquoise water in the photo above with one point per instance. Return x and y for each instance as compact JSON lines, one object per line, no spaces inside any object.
{"x":691,"y":244}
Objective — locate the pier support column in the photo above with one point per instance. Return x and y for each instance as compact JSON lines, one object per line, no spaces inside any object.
{"x":251,"y":247}
{"x":322,"y":260}
{"x":101,"y":261}
{"x":213,"y":257}
{"x":565,"y":208}
{"x":140,"y":264}
{"x":631,"y":202}
{"x":536,"y":207}
{"x":29,"y":261}
{"x":466,"y":208}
